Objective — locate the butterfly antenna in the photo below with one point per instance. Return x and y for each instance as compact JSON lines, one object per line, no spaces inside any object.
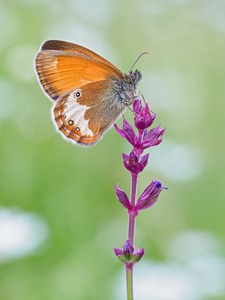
{"x":140,"y":55}
{"x":143,"y":98}
{"x":132,"y":110}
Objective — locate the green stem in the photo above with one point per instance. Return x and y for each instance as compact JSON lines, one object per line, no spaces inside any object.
{"x":129,"y":277}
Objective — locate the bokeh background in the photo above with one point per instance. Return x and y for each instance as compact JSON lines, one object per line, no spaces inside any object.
{"x":59,"y":219}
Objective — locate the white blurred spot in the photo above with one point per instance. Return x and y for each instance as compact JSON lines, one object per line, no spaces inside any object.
{"x":167,"y":91}
{"x":20,"y":233}
{"x":190,"y":245}
{"x":85,"y":9}
{"x":176,"y":161}
{"x":193,"y":278}
{"x":212,"y":13}
{"x":163,"y":282}
{"x":81,"y":34}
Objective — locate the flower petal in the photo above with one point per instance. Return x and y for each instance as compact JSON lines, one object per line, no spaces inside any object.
{"x":129,"y":132}
{"x":149,"y":196}
{"x":122,"y":197}
{"x":153,"y":137}
{"x":120,"y":131}
{"x":144,"y":118}
{"x":144,"y":160}
{"x":118,"y":251}
{"x":137,"y":106}
{"x":131,"y":163}
{"x":127,"y":248}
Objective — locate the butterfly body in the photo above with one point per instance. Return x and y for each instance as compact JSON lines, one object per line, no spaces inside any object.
{"x":89,"y":93}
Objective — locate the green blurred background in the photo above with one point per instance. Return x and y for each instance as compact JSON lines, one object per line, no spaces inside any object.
{"x":59,"y":219}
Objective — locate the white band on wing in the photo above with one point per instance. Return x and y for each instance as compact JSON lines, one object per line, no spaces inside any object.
{"x":75,"y":111}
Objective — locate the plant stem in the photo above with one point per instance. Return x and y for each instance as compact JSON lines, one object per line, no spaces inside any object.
{"x":134,"y":177}
{"x":129,"y":277}
{"x":132,"y":213}
{"x":131,"y":234}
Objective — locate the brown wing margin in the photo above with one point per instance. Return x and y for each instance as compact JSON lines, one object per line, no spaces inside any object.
{"x":70,"y":47}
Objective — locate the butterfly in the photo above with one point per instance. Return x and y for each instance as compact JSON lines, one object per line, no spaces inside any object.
{"x":89,"y":93}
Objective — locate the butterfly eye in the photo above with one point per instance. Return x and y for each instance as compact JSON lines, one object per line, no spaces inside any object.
{"x":130,"y":81}
{"x":77,"y":94}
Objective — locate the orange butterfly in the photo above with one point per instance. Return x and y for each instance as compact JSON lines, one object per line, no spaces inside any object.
{"x":89,"y":92}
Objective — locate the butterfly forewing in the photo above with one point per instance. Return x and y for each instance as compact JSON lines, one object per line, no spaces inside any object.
{"x":63,"y":66}
{"x":70,"y":47}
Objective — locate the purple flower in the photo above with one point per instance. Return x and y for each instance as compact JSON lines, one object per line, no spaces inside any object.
{"x":153,"y":137}
{"x":149,"y":196}
{"x":135,"y":162}
{"x":129,"y":254}
{"x":132,"y":164}
{"x":140,"y":138}
{"x":143,"y":118}
{"x":127,"y":132}
{"x":127,"y":248}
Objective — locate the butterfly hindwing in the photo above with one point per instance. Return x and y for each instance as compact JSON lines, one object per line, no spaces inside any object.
{"x":85,"y":113}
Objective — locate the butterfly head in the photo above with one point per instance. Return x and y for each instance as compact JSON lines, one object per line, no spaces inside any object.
{"x":134,"y":77}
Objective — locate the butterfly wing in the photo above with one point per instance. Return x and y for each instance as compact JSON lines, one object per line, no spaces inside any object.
{"x":62,"y":67}
{"x":81,"y":82}
{"x":70,"y":47}
{"x":84,"y":114}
